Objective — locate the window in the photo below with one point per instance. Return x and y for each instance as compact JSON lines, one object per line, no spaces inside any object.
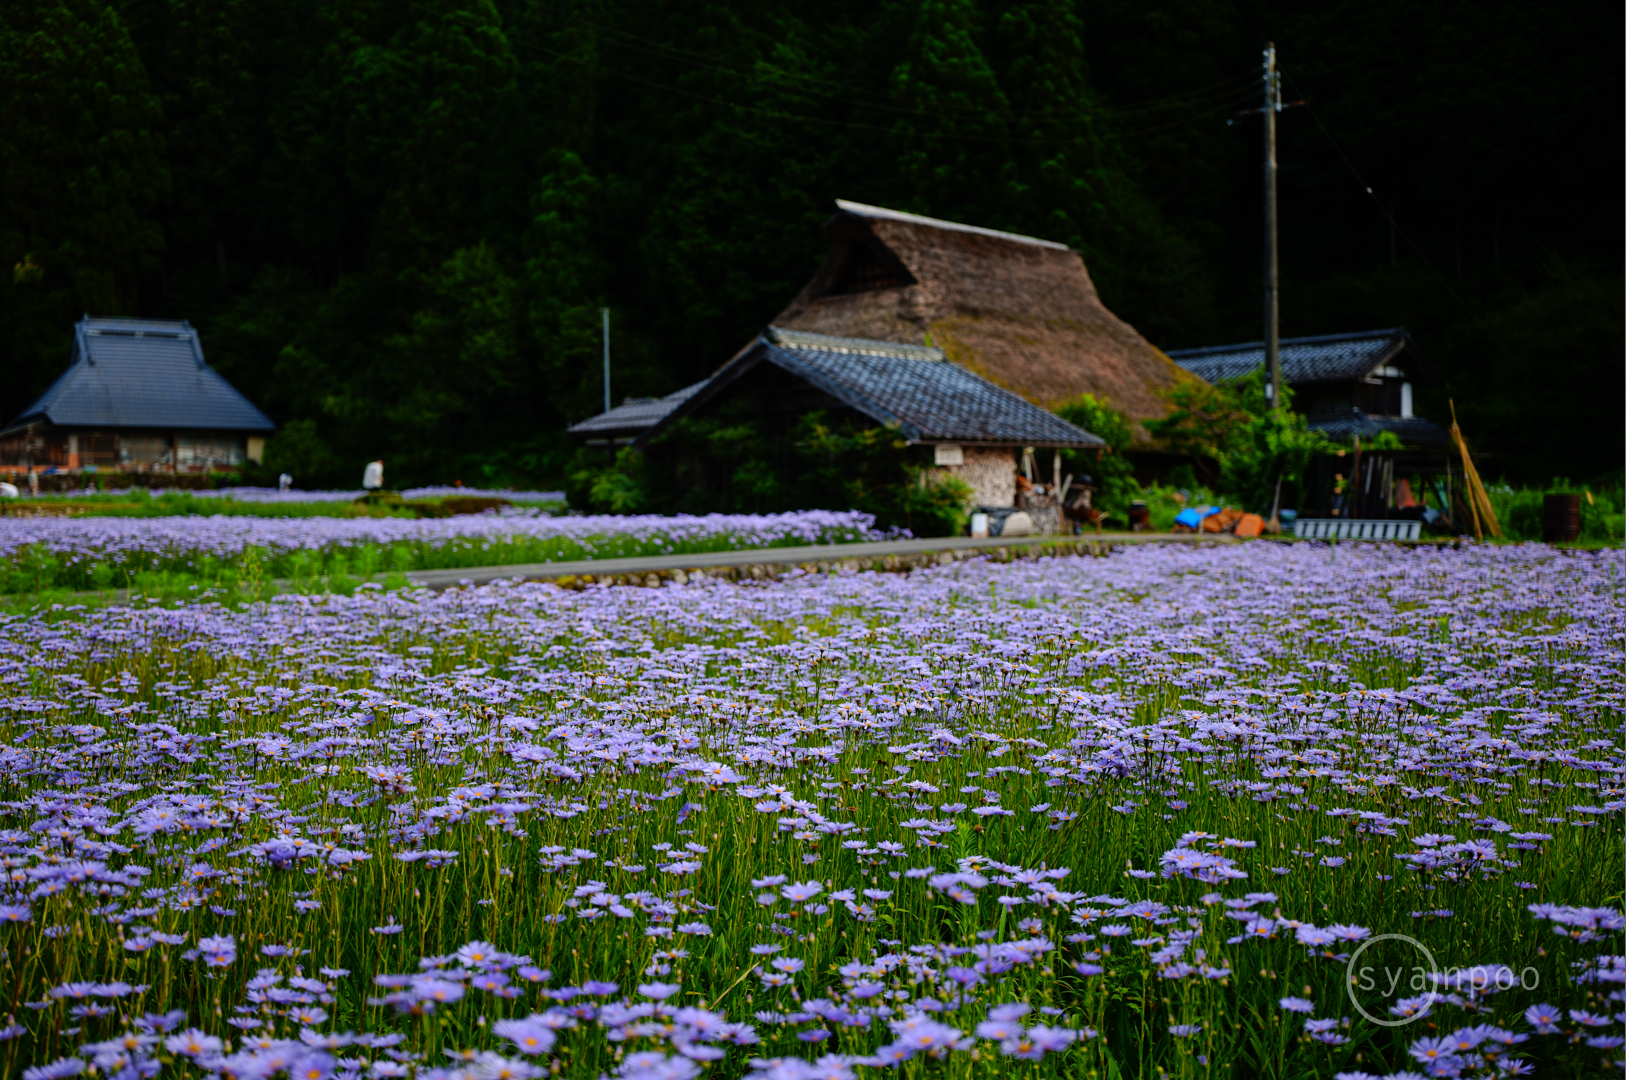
{"x":144,"y":448}
{"x":208,"y":451}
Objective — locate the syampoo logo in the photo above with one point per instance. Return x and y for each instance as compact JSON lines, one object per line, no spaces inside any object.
{"x":1392,"y":976}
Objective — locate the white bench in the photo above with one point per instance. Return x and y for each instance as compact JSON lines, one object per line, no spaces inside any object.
{"x":1345,"y":529}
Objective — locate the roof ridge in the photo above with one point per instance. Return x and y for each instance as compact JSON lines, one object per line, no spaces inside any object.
{"x":881,"y":212}
{"x":1318,"y":339}
{"x":807,"y":339}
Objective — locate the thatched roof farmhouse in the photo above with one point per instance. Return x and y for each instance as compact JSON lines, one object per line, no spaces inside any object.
{"x":1021,"y":312}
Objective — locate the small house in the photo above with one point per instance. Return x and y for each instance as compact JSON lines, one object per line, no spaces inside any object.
{"x":138,"y":396}
{"x":1346,"y":385}
{"x":978,"y":431}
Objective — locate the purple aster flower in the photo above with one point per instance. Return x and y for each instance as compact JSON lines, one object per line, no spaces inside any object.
{"x":1544,"y":1018}
{"x":56,"y":1070}
{"x":528,"y":1035}
{"x":658,"y":991}
{"x":218,"y":951}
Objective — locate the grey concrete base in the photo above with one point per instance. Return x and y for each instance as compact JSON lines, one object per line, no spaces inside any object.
{"x":913,"y":552}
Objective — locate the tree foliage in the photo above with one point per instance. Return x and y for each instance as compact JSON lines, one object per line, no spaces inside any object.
{"x":322,"y":188}
{"x":1245,"y":449}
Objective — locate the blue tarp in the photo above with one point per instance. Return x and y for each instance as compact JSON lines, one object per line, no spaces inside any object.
{"x":1192,"y":516}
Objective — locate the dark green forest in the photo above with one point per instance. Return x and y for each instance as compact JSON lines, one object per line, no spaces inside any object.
{"x":395,"y":223}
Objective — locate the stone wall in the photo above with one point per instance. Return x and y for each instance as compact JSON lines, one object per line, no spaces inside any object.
{"x":896,"y":564}
{"x":1045,"y":510}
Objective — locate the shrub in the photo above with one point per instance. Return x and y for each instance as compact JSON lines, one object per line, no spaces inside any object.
{"x":1241,"y":446}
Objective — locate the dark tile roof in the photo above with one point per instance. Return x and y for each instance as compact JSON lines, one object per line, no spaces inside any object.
{"x":1413,"y":431}
{"x":913,"y":386}
{"x":142,"y":373}
{"x":1329,"y":358}
{"x":634,"y":416}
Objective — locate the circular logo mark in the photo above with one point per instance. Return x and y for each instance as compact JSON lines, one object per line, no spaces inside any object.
{"x":1393,"y":981}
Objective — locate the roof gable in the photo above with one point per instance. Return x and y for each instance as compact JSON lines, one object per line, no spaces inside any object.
{"x":1326,"y":358}
{"x":911,"y":386}
{"x":142,"y":373}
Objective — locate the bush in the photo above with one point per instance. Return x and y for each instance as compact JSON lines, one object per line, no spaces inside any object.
{"x":617,"y":487}
{"x":732,"y":460}
{"x":1241,"y":446}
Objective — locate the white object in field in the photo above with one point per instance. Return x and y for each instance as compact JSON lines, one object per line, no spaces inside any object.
{"x":33,"y":482}
{"x":284,"y":482}
{"x":1018,"y":524}
{"x":9,"y":491}
{"x":1348,"y":529}
{"x":373,"y":478}
{"x":979,"y":524}
{"x":949,"y":454}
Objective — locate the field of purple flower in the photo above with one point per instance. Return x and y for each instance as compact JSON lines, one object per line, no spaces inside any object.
{"x":1148,"y":815}
{"x":239,"y":557}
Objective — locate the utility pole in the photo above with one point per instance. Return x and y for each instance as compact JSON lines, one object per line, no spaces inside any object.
{"x":606,"y":313}
{"x":1273,"y":343}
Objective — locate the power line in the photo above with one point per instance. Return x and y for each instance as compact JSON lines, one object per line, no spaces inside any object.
{"x":1395,"y":225}
{"x":857,"y":125}
{"x":1231,"y":87}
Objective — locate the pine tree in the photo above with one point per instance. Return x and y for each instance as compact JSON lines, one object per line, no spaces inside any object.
{"x":83,"y":170}
{"x":953,"y":151}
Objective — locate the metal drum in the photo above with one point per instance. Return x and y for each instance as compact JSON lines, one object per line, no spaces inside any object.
{"x":1560,"y":518}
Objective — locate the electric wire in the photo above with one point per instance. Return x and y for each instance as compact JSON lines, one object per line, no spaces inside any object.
{"x":1232,"y":89}
{"x":1393,"y":224}
{"x":959,"y":136}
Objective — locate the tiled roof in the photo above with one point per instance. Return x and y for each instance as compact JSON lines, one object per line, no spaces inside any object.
{"x":883,"y":214}
{"x":913,"y":386}
{"x":1329,"y":358}
{"x":1413,"y":431}
{"x":634,"y":416}
{"x":142,"y":373}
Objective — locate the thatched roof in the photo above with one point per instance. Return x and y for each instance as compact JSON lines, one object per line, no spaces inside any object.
{"x":1021,"y":312}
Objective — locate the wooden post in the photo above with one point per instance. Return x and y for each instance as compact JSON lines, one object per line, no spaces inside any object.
{"x":606,"y":313}
{"x":1353,"y":503}
{"x":1273,"y":104}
